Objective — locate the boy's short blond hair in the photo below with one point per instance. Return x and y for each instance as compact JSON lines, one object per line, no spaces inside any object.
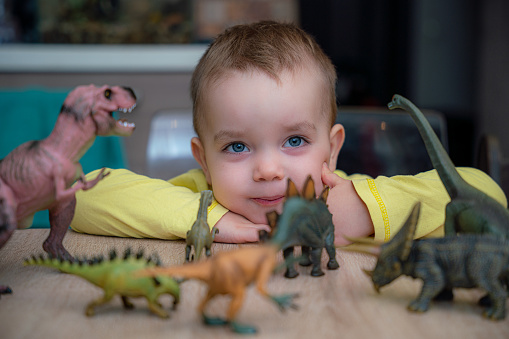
{"x":266,"y":46}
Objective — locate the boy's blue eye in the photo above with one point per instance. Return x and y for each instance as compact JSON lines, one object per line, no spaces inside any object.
{"x":236,"y":147}
{"x":294,"y":142}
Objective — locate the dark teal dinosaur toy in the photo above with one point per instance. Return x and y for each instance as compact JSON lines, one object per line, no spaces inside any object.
{"x":306,"y":222}
{"x":464,"y":261}
{"x":115,"y":276}
{"x":200,"y":235}
{"x":470,"y":210}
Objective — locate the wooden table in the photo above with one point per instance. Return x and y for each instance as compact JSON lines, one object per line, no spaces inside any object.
{"x":341,"y":304}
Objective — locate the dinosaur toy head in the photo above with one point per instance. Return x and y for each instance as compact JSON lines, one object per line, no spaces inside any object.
{"x":391,"y":255}
{"x":99,"y":103}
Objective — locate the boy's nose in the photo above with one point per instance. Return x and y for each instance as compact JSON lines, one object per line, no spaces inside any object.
{"x":268,"y":169}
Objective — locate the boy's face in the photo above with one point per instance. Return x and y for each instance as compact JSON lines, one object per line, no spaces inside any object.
{"x":258,"y":133}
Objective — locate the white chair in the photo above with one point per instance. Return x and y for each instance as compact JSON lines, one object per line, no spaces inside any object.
{"x":169,"y":144}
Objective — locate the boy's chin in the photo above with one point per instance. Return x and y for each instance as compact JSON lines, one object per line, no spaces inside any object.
{"x":262,"y":217}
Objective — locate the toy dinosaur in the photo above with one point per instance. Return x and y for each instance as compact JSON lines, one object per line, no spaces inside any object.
{"x":115,"y":276}
{"x":200,"y":235}
{"x":464,"y":261}
{"x":38,"y":175}
{"x":470,"y":210}
{"x":229,"y":273}
{"x":305,"y":221}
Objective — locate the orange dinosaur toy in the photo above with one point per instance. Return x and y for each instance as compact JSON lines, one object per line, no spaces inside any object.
{"x":230,"y":273}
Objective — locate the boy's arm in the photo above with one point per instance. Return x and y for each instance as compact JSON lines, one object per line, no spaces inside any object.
{"x":389,"y":200}
{"x":126,"y":204}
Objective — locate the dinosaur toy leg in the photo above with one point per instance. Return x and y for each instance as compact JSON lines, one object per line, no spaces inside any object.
{"x":8,"y":208}
{"x":5,"y":290}
{"x":291,"y":272}
{"x":7,"y":224}
{"x":89,"y":311}
{"x":214,"y":321}
{"x":157,"y":308}
{"x":497,"y":295}
{"x":430,"y":289}
{"x":331,"y":251}
{"x":60,"y":217}
{"x":6,"y":230}
{"x":235,"y":304}
{"x":188,"y":252}
{"x":316,"y":259}
{"x":127,"y":304}
{"x":305,"y":260}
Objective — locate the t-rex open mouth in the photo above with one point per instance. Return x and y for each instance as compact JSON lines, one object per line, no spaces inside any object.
{"x":123,"y":126}
{"x":122,"y":122}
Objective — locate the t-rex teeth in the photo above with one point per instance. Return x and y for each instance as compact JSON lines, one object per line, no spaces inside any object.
{"x":126,"y":123}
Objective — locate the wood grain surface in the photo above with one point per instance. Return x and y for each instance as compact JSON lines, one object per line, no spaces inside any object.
{"x":342,"y":304}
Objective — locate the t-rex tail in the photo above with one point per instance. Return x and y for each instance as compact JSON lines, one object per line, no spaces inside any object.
{"x":450,"y":177}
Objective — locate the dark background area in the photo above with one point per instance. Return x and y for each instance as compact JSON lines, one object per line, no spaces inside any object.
{"x":376,"y":46}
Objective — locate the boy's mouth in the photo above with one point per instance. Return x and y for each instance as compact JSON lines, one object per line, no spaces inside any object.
{"x":269,"y":201}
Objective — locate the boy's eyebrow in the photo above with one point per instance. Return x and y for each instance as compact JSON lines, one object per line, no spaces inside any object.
{"x":232,"y":134}
{"x":227,"y":135}
{"x":301,"y":126}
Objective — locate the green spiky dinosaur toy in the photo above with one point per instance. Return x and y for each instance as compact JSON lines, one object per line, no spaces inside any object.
{"x":470,"y":210}
{"x":114,"y":276}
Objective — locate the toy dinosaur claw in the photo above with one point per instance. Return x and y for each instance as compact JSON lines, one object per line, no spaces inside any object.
{"x":419,"y":306}
{"x":242,"y":328}
{"x":285,"y":301}
{"x":57,"y":251}
{"x":213,"y":321}
{"x":5,"y":290}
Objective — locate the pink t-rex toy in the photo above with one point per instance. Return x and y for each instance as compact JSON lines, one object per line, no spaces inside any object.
{"x":38,"y":175}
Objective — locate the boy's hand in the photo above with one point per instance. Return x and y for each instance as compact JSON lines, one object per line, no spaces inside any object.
{"x":349,"y":213}
{"x":234,"y":228}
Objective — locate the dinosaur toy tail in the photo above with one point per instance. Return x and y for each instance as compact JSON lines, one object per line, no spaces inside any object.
{"x":196,"y":270}
{"x":438,"y":155}
{"x":66,"y":266}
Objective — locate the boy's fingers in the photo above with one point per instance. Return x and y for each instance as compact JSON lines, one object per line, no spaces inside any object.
{"x":329,"y":178}
{"x":242,"y":234}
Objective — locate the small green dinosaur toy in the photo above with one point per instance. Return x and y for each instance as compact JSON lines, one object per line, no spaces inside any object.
{"x":306,"y":222}
{"x":464,"y":261}
{"x":200,"y":235}
{"x":470,"y":210}
{"x":114,"y":276}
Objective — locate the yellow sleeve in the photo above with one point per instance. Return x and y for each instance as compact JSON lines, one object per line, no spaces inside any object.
{"x":126,"y":204}
{"x":389,"y":200}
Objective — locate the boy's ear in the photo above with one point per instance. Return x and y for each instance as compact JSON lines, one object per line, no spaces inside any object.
{"x":337,"y":138}
{"x":199,"y":156}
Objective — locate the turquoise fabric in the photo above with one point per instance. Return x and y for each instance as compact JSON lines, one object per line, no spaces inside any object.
{"x":30,"y":114}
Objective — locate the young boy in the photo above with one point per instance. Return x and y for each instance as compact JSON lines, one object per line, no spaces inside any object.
{"x":264,"y":108}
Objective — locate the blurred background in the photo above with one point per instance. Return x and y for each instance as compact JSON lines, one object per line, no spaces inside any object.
{"x":451,"y":56}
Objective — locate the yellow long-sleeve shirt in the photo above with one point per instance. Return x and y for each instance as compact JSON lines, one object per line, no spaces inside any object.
{"x":126,"y":204}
